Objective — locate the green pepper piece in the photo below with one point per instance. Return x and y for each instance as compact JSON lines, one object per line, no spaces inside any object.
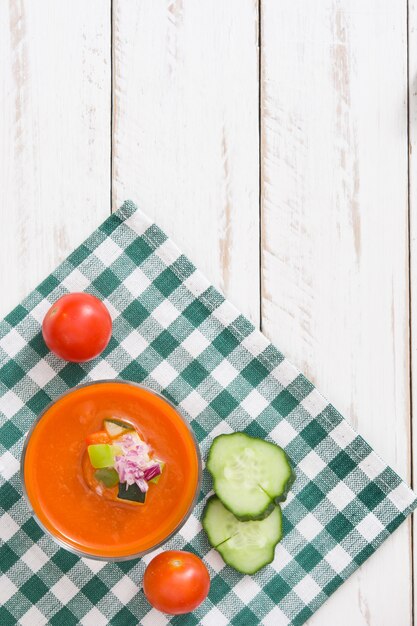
{"x":108,"y":476}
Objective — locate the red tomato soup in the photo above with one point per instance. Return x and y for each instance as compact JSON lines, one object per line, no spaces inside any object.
{"x":75,"y":514}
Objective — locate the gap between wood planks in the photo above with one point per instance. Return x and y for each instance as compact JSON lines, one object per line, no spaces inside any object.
{"x":260,"y":144}
{"x":410,"y":331}
{"x":411,"y":142}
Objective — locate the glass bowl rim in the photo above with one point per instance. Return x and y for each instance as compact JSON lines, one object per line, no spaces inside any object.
{"x":60,"y":542}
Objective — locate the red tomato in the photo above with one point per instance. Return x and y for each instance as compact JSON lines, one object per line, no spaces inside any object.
{"x":77,"y":327}
{"x":99,"y":437}
{"x":176,"y":582}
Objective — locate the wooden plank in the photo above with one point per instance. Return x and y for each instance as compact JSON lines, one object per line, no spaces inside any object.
{"x":186,"y":131}
{"x":412,"y":164}
{"x":335,"y":239}
{"x":54,"y":136}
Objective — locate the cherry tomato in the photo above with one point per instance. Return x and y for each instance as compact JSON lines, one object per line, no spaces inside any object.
{"x":77,"y":327}
{"x":176,"y":582}
{"x":99,"y":437}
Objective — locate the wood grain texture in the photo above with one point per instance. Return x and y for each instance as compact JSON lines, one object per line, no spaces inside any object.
{"x":185,"y":147}
{"x":54,"y":136}
{"x":335,"y":239}
{"x":185,"y":129}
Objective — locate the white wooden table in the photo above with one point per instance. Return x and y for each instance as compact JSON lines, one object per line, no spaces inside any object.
{"x":275,"y":141}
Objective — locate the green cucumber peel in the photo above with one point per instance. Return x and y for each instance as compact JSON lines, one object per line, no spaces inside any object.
{"x":115,"y":427}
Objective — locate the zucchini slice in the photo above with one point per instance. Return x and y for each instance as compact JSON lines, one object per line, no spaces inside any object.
{"x":250,"y":475}
{"x":245,"y":546}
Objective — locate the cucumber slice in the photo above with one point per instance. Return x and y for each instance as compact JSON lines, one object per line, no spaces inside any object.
{"x":132,"y":493}
{"x":115,"y":427}
{"x":108,"y":476}
{"x":245,"y":546}
{"x":102,"y":454}
{"x":250,"y":475}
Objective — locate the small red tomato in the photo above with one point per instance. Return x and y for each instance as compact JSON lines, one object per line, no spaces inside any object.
{"x":77,"y":327}
{"x":176,"y":582}
{"x":99,"y":437}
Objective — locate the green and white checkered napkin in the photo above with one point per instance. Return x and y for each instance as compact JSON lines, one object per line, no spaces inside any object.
{"x":174,"y":332}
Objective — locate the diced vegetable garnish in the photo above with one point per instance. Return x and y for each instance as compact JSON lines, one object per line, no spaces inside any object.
{"x":116,"y":427}
{"x":100,"y":437}
{"x":108,"y":476}
{"x":120,"y":456}
{"x":133,"y":437}
{"x":155,"y":480}
{"x":245,"y":546}
{"x":131,"y":465}
{"x":103,"y":454}
{"x":152,"y":472}
{"x":250,"y":475}
{"x":131,"y":493}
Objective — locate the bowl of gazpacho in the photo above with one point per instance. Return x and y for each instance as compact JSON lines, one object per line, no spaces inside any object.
{"x":111,"y":470}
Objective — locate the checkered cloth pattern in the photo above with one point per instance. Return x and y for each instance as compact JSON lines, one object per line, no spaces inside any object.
{"x":175,"y":333}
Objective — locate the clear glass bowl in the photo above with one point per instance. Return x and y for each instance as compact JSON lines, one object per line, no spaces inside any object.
{"x":88,"y":554}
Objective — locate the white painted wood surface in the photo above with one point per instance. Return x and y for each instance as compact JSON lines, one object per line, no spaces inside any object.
{"x":335,"y":239}
{"x":55,"y":95}
{"x":186,"y":131}
{"x":159,"y":102}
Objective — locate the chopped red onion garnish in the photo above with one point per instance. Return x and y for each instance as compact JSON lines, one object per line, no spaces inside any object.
{"x":135,"y":465}
{"x":153,"y":471}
